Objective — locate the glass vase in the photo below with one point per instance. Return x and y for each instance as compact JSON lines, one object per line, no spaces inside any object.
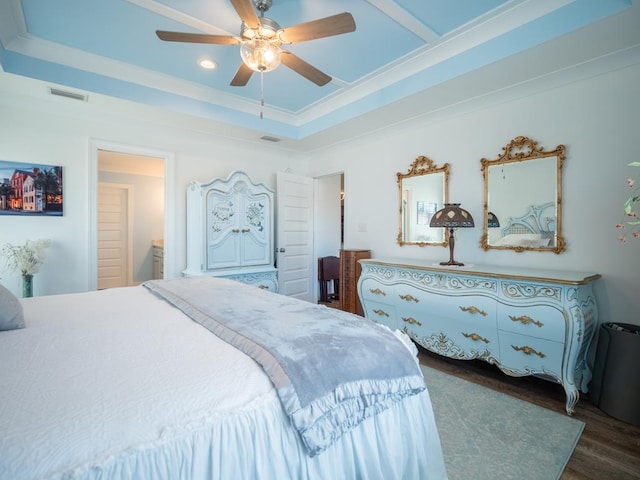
{"x":27,"y":285}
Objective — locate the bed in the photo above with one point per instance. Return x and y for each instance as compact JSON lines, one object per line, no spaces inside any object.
{"x":138,"y":383}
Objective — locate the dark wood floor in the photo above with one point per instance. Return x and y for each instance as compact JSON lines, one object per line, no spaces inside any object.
{"x":608,"y":449}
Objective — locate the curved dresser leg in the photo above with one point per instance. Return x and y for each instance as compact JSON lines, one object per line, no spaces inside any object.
{"x":573,"y":395}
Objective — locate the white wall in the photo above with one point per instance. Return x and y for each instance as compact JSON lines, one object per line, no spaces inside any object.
{"x":35,"y":127}
{"x":596,"y":118}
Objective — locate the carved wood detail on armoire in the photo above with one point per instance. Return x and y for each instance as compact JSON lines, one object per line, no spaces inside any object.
{"x":349,"y":273}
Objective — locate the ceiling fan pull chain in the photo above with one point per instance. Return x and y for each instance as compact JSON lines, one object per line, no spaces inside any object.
{"x":261,"y":94}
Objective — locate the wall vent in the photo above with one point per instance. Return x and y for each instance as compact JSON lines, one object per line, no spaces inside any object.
{"x":66,"y":94}
{"x":267,"y":138}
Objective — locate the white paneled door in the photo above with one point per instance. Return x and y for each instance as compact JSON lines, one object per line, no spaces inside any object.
{"x":114,"y":235}
{"x":294,"y":235}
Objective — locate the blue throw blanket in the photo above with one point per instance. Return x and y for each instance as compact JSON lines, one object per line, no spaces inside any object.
{"x":331,"y":369}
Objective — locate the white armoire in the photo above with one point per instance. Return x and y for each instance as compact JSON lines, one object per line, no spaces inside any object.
{"x":230,"y":231}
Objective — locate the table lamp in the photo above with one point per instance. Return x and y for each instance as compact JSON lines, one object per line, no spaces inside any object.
{"x":451,"y":216}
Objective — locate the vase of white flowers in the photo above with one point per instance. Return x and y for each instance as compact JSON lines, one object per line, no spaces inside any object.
{"x":25,"y":259}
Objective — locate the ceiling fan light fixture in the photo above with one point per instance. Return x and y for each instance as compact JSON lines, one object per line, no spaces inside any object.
{"x":268,"y":30}
{"x":260,"y":55}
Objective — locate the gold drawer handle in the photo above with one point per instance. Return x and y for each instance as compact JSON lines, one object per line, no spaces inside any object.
{"x":528,"y":351}
{"x":236,"y":230}
{"x":409,"y":298}
{"x":377,"y":291}
{"x":264,"y":287}
{"x":245,"y":230}
{"x":381,"y":313}
{"x":411,"y":321}
{"x":526,"y":320}
{"x":473,"y":310}
{"x":475,"y":337}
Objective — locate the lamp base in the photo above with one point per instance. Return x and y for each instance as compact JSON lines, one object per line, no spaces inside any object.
{"x":452,"y":244}
{"x":452,"y":263}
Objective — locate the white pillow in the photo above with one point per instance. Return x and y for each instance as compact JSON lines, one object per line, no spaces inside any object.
{"x":11,"y":316}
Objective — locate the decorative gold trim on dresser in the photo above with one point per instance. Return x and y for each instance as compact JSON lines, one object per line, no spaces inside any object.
{"x":522,"y":290}
{"x":525,"y":320}
{"x":377,"y":291}
{"x":475,"y":337}
{"x":528,"y":351}
{"x":385,"y":269}
{"x":444,"y":345}
{"x":411,"y":321}
{"x":409,"y":298}
{"x":473,"y":310}
{"x":381,"y":313}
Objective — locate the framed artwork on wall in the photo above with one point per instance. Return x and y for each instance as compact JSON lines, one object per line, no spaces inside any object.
{"x":30,"y":189}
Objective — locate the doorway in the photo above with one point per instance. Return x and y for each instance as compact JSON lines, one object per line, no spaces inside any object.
{"x":309,"y":226}
{"x":137,"y":178}
{"x":329,"y":225}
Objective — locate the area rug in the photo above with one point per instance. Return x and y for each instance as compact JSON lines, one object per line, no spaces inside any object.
{"x":488,"y":435}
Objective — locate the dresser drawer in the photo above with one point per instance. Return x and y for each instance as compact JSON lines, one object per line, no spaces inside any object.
{"x":540,"y":321}
{"x":381,"y":313}
{"x":526,"y":355}
{"x":439,"y":335}
{"x":378,"y":292}
{"x":264,"y":280}
{"x":453,"y":307}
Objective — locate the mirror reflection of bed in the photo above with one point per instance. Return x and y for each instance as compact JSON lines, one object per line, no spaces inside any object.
{"x":534,"y":229}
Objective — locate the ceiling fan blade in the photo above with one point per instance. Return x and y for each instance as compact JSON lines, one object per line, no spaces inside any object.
{"x":242,"y":76}
{"x":301,"y":67}
{"x":197,"y":38}
{"x":323,"y":27}
{"x":247,"y":14}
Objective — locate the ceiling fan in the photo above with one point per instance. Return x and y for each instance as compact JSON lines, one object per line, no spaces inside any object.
{"x":261,"y":39}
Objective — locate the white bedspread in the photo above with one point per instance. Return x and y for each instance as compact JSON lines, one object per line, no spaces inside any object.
{"x":119,"y":384}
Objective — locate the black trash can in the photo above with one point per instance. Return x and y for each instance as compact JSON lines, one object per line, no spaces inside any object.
{"x":615,"y":387}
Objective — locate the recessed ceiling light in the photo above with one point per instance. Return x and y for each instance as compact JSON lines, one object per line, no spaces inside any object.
{"x":207,"y":63}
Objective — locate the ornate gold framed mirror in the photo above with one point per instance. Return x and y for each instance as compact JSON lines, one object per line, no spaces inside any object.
{"x":423,"y":190}
{"x":523,"y":198}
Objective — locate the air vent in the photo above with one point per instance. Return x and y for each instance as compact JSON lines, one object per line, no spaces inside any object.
{"x":267,"y":138}
{"x":66,"y":94}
